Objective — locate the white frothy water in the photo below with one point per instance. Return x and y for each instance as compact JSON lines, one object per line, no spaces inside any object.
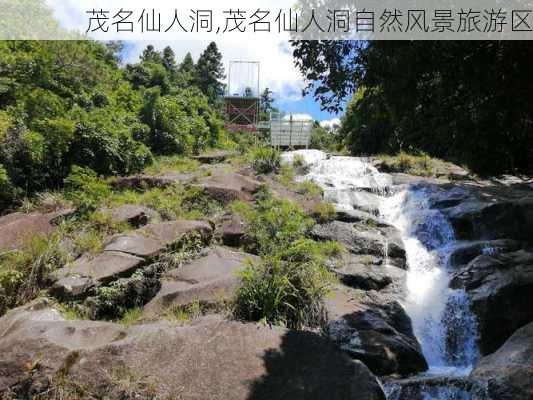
{"x":435,"y":309}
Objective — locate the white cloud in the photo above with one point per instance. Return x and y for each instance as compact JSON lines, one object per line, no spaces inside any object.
{"x":331,"y":124}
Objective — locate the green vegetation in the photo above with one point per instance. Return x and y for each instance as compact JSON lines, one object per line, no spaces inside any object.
{"x":287,"y":287}
{"x":272,"y":224}
{"x":265,"y":160}
{"x":308,"y":188}
{"x":410,"y":164}
{"x":322,"y":139}
{"x":25,"y":272}
{"x":467,"y":102}
{"x":68,"y":107}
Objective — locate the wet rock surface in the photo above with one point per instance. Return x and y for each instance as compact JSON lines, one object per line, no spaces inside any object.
{"x":500,"y":288}
{"x":363,"y":239}
{"x":507,"y":373}
{"x":210,"y":359}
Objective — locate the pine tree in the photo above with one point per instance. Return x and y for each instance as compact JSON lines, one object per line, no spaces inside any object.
{"x":169,"y":60}
{"x":210,"y":72}
{"x":187,"y":65}
{"x":151,"y":55}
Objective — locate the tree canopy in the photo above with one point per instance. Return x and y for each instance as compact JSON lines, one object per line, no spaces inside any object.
{"x":468,"y":102}
{"x":73,"y":103}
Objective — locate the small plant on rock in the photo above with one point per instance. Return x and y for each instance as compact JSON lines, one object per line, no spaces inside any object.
{"x":287,"y":287}
{"x":266,"y":160}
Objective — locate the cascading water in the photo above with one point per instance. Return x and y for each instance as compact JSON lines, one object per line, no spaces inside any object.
{"x":440,"y":316}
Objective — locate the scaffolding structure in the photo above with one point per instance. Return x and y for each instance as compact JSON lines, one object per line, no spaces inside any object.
{"x":242,"y":97}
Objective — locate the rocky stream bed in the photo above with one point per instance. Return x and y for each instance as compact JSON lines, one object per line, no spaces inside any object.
{"x":433,"y":299}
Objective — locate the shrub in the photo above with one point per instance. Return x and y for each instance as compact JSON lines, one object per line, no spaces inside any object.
{"x":422,"y":164}
{"x":287,"y":287}
{"x":272,"y":224}
{"x":86,"y":189}
{"x":266,"y":160}
{"x":324,"y":212}
{"x":183,"y":123}
{"x":308,"y":188}
{"x":24,"y":272}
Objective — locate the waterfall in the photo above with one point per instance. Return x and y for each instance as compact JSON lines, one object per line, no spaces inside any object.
{"x":441,"y":318}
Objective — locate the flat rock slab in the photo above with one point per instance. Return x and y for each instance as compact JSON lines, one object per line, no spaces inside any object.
{"x":152,"y":239}
{"x":17,"y":228}
{"x":144,"y":182}
{"x":215,"y":156}
{"x":132,"y":214}
{"x":137,"y":245}
{"x":167,"y":233}
{"x":85,"y":272}
{"x":227,"y":187}
{"x":207,"y":279}
{"x":211,"y":359}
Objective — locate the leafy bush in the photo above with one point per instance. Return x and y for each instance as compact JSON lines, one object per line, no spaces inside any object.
{"x":272,"y":224}
{"x":287,"y":287}
{"x":86,"y":189}
{"x":183,"y":123}
{"x":266,"y":160}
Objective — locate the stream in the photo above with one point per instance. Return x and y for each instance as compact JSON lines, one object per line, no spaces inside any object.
{"x":440,"y":316}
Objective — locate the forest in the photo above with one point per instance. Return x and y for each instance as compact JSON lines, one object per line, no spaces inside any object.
{"x":73,"y":103}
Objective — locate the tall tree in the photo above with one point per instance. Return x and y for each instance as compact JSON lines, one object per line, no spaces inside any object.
{"x":169,"y":59}
{"x":210,"y":73}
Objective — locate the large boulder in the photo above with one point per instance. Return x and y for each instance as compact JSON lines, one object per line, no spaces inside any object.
{"x":17,"y":228}
{"x":227,"y":187}
{"x":500,"y":288}
{"x":210,"y":359}
{"x":507,"y":374}
{"x":381,"y":241}
{"x":231,"y":230}
{"x":376,"y":330}
{"x":209,"y":279}
{"x":481,"y":219}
